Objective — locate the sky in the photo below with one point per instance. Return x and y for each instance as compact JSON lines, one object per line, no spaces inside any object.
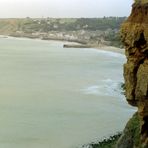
{"x":64,"y":8}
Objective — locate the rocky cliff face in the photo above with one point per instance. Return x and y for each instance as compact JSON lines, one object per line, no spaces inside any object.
{"x":135,"y":38}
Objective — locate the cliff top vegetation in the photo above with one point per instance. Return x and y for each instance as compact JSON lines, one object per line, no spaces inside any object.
{"x":141,"y":1}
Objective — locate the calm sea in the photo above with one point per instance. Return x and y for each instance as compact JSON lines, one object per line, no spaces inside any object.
{"x":55,"y":97}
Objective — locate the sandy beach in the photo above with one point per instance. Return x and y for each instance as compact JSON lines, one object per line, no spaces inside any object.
{"x":111,"y":48}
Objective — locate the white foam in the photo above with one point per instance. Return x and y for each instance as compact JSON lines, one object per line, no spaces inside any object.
{"x":91,"y":89}
{"x":106,"y":87}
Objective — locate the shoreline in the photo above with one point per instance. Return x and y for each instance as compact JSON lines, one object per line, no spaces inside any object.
{"x":111,"y":49}
{"x":106,"y":142}
{"x":77,"y":44}
{"x":102,"y":48}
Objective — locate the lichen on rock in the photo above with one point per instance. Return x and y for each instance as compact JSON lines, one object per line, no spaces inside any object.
{"x":134,"y":34}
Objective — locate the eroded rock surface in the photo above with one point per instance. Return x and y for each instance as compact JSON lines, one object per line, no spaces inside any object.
{"x":135,"y":38}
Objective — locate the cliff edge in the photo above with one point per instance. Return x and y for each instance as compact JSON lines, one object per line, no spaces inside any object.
{"x":134,"y":34}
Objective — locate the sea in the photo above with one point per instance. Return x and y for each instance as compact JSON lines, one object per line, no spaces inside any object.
{"x":55,"y":97}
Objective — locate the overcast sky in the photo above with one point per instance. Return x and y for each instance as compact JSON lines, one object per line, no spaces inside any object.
{"x":64,"y":8}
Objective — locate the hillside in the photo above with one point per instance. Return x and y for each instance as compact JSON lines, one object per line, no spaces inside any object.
{"x":86,"y":30}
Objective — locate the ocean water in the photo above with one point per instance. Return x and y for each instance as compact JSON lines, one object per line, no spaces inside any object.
{"x":55,"y":97}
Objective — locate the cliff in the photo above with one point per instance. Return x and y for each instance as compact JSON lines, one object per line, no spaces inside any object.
{"x":134,"y":33}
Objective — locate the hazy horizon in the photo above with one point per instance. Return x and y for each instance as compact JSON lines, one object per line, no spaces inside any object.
{"x":64,"y":8}
{"x":58,"y":17}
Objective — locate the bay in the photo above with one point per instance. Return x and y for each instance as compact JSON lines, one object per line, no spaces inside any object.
{"x":55,"y":97}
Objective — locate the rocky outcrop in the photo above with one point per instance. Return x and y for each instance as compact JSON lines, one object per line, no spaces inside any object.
{"x":134,"y":34}
{"x":131,"y":135}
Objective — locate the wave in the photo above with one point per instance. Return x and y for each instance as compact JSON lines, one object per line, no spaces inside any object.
{"x":106,"y":87}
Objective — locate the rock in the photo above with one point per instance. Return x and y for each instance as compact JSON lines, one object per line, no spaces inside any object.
{"x":134,"y":34}
{"x":142,"y":82}
{"x":76,"y":46}
{"x":131,"y":134}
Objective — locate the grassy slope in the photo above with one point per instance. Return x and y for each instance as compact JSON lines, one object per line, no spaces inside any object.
{"x":129,"y":138}
{"x":107,"y":143}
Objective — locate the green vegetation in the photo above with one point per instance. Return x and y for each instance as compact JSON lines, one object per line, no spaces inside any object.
{"x":131,"y":133}
{"x":88,"y":30}
{"x":133,"y":127}
{"x":67,"y":24}
{"x":141,"y":1}
{"x":114,"y":37}
{"x":107,"y":143}
{"x":129,"y":138}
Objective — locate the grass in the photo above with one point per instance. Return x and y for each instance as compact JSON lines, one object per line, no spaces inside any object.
{"x":133,"y":127}
{"x":141,"y":1}
{"x":106,"y":143}
{"x":130,"y":136}
{"x":131,"y":133}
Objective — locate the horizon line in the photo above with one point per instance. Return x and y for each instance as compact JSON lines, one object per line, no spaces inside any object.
{"x":27,"y":17}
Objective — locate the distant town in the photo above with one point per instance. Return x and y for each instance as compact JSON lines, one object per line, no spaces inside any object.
{"x":91,"y":31}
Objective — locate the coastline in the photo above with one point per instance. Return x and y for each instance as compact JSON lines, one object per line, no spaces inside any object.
{"x":106,"y":142}
{"x":111,"y":49}
{"x":77,"y":44}
{"x":105,"y":48}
